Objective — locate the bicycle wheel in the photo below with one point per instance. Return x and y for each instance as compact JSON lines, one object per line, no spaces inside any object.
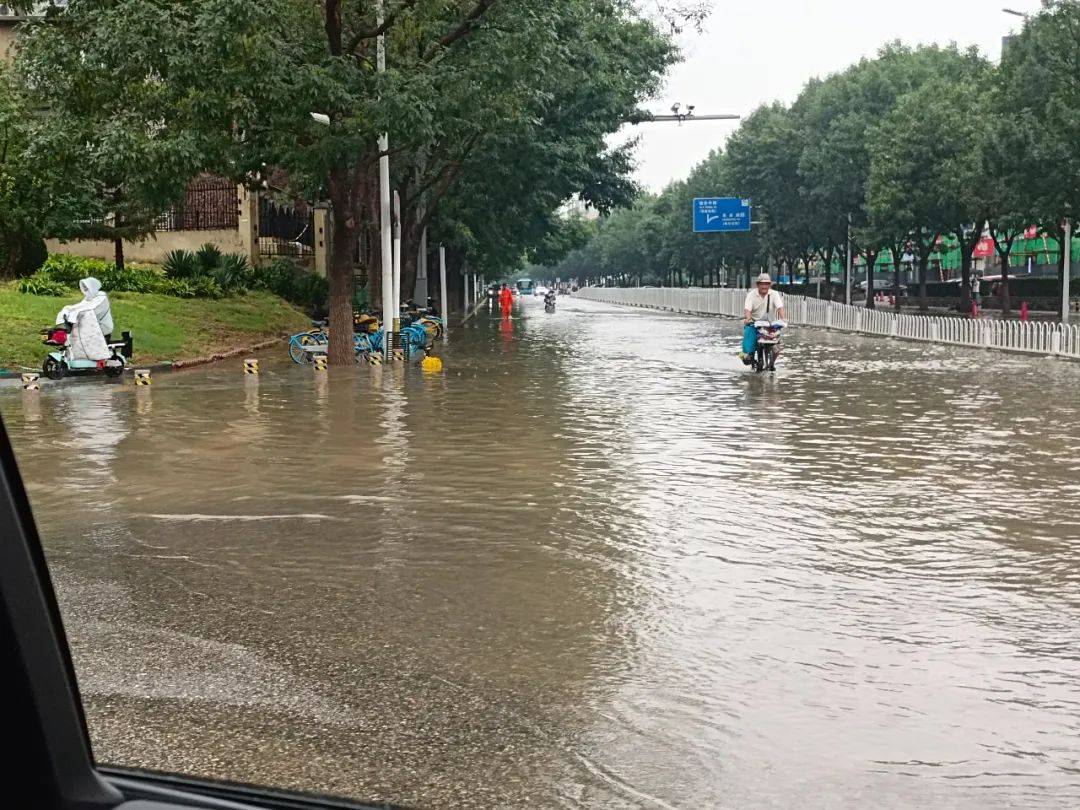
{"x":298,"y":346}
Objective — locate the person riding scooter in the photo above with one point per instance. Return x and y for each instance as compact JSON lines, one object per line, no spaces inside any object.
{"x":83,"y":337}
{"x":762,"y":304}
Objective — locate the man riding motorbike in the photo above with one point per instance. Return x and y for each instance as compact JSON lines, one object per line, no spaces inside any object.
{"x":762,"y":304}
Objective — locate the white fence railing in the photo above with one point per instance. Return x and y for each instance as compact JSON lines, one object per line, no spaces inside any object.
{"x":1035,"y":337}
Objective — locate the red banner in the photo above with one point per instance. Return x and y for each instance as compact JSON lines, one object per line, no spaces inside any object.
{"x":985,"y":248}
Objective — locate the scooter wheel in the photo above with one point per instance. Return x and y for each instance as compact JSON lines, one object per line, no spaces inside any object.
{"x":54,"y":369}
{"x":113,"y":371}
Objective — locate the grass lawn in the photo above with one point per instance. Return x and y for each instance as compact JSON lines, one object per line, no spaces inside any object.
{"x":164,"y":328}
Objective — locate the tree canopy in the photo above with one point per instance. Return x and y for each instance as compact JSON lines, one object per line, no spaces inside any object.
{"x":914,"y":145}
{"x":496,"y":111}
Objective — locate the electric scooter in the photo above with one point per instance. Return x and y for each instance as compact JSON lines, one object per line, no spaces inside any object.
{"x":61,"y":362}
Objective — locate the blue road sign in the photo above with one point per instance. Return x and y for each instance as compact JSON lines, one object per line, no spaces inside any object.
{"x":721,"y":215}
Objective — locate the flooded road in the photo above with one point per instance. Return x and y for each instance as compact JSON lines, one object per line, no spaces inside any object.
{"x":594,"y":564}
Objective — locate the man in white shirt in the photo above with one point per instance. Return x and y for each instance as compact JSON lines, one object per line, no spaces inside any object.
{"x":762,"y":304}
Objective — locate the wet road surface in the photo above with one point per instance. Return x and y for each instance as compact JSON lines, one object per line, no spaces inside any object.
{"x":594,"y":564}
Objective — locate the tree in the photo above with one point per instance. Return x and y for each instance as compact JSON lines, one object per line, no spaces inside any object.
{"x":841,"y":114}
{"x":763,"y":161}
{"x":39,"y":192}
{"x":1039,"y":92}
{"x":506,"y":101}
{"x":114,"y":89}
{"x":523,"y":167}
{"x":927,"y":173}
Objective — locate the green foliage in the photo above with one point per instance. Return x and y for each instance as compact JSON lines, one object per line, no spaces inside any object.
{"x":181,"y":265}
{"x":62,"y":273}
{"x":22,"y":253}
{"x":291,"y":282}
{"x":33,"y":256}
{"x":70,"y":270}
{"x":132,"y":278}
{"x":41,"y":284}
{"x":311,"y":291}
{"x":278,"y":276}
{"x":361,"y":299}
{"x":209,"y":258}
{"x":205,"y":287}
{"x":179,"y":288}
{"x":233,"y":273}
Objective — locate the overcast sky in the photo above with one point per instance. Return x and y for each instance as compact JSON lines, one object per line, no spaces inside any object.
{"x":755,"y":51}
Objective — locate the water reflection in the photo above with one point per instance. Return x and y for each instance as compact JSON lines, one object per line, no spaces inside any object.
{"x":594,"y":563}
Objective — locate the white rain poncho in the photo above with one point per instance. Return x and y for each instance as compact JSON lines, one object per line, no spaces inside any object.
{"x":90,"y":319}
{"x":86,"y":342}
{"x":93,"y":299}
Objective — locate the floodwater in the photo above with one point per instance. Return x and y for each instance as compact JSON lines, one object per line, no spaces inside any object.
{"x":594,"y":564}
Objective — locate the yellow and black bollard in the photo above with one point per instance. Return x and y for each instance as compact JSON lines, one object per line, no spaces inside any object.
{"x":319,"y":362}
{"x":142,"y":376}
{"x":398,"y":355}
{"x":375,"y":359}
{"x":30,"y":382}
{"x":251,"y":366}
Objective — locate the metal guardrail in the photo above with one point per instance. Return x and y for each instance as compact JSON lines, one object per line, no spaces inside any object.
{"x":1052,"y":339}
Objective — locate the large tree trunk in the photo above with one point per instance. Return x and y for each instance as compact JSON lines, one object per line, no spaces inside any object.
{"x":118,"y":253}
{"x":412,"y":229}
{"x":871,"y":261}
{"x":965,"y":275}
{"x":339,"y":273}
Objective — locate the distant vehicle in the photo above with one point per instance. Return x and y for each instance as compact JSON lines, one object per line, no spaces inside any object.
{"x":524,"y":286}
{"x":540,"y":291}
{"x":883,"y":284}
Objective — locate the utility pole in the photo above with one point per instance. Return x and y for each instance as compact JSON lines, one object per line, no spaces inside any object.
{"x":388,"y":312}
{"x":397,"y":263}
{"x":1066,"y":246}
{"x":442,"y":293}
{"x":847,"y":269}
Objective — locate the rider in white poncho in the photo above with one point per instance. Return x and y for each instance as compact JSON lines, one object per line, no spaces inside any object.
{"x":91,"y":321}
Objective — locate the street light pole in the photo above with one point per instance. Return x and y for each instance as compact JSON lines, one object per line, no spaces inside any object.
{"x":388,"y":312}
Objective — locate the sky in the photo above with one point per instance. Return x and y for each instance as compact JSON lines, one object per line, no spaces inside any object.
{"x":752,"y":52}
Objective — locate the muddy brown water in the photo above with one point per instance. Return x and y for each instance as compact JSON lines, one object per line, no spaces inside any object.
{"x":593,"y":564}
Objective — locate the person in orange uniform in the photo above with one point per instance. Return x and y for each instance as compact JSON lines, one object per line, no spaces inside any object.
{"x":506,"y":300}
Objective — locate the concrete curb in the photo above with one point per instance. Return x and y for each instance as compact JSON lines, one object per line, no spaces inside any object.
{"x":183,"y":365}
